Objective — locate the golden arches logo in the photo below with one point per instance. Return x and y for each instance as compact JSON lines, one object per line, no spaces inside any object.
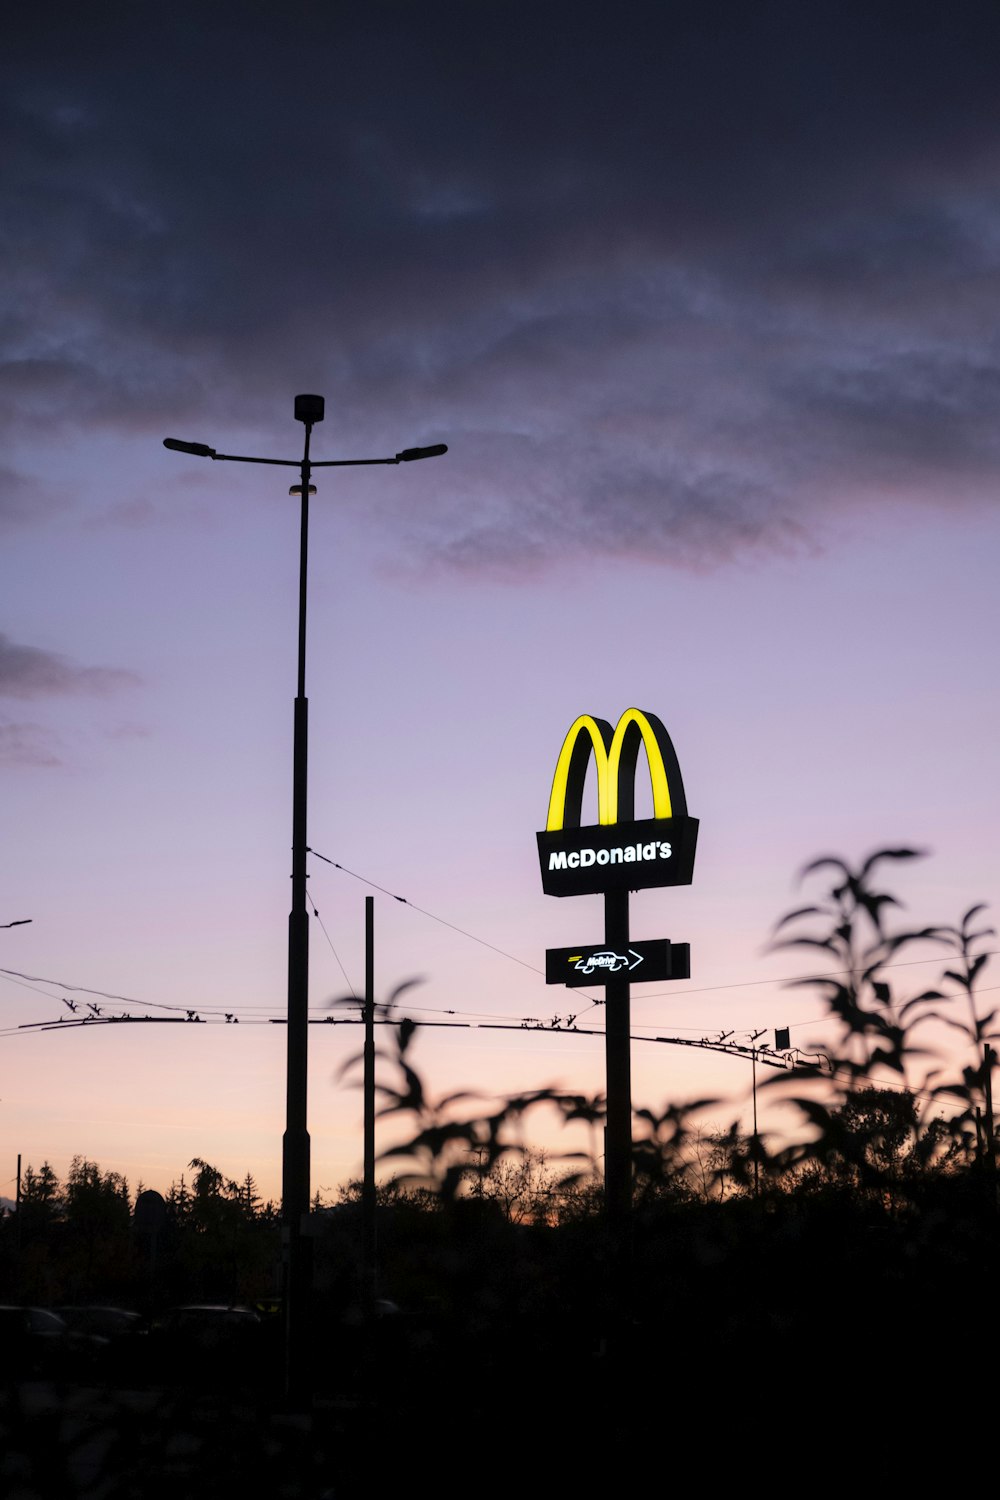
{"x":615,"y":755}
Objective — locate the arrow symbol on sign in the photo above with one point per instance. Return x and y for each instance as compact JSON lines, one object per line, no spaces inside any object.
{"x":637,"y":957}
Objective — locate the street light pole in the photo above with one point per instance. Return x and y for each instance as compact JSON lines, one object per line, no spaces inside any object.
{"x":297,"y":1268}
{"x":295,"y":1144}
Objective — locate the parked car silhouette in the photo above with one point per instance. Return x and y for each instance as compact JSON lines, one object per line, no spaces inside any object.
{"x":210,"y":1341}
{"x":37,"y":1342}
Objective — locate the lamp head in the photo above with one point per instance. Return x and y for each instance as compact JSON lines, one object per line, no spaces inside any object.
{"x":309,"y":409}
{"x":409,"y":454}
{"x":200,"y":450}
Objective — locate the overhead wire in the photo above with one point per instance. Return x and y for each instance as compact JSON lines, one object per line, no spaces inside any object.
{"x":586,"y":1002}
{"x":403,"y":901}
{"x":671,"y":994}
{"x":315,"y":911}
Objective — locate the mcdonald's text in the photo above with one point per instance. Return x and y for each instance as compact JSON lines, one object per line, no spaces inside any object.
{"x":624,"y":856}
{"x":629,"y":855}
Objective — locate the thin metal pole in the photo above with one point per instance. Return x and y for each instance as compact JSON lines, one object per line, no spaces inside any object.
{"x":756,"y":1161}
{"x":295,"y":1144}
{"x":368,"y":1186}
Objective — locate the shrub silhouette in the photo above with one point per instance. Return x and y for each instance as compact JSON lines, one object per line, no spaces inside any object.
{"x":868,"y":1107}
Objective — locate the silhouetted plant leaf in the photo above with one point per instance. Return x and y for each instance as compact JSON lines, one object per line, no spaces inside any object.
{"x":794,"y":916}
{"x":822,"y":863}
{"x":808,"y":942}
{"x":922,"y":999}
{"x":873,"y":859}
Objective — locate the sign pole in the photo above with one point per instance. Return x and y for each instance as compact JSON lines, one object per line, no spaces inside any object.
{"x":618,"y":1154}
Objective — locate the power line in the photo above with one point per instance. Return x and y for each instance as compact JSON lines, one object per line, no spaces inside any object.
{"x":556,"y":1027}
{"x":595,"y":1002}
{"x":766,"y":1056}
{"x":82,"y":989}
{"x":649,"y":995}
{"x":434,"y":918}
{"x":329,"y":940}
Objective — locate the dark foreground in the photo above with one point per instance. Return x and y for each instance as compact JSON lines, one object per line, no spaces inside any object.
{"x":792,"y":1346}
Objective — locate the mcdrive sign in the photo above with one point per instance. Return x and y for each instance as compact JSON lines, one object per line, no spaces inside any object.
{"x":617,"y":852}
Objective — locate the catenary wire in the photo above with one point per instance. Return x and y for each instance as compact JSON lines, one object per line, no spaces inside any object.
{"x":592,"y":1002}
{"x":793,"y":1067}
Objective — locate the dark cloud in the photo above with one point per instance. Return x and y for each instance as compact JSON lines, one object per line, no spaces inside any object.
{"x":28,"y":672}
{"x":666,"y":279}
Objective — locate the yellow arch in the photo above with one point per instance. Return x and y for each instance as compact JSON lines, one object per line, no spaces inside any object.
{"x":657,"y":770}
{"x":607,"y":750}
{"x":560,"y":781}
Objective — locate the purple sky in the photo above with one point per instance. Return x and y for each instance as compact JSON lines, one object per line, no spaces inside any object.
{"x":703,"y":301}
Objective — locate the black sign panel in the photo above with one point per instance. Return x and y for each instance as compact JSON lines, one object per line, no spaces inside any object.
{"x":617,"y":856}
{"x":589,"y":964}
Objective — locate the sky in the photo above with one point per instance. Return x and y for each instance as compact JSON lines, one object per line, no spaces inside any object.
{"x":702,"y":299}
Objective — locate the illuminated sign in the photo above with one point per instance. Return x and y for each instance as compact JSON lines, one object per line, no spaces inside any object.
{"x":657,"y":959}
{"x":617,"y":852}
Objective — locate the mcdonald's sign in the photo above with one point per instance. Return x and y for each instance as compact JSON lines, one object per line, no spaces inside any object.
{"x":617,"y":852}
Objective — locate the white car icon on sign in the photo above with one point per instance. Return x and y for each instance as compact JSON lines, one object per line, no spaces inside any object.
{"x":612,"y":962}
